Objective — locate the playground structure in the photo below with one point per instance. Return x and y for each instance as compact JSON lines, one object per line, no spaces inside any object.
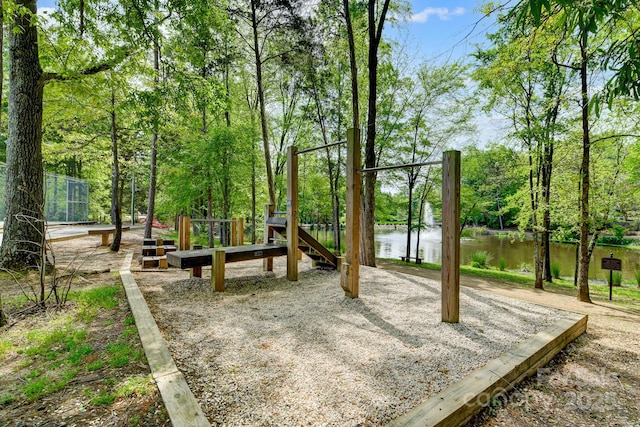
{"x":298,"y":240}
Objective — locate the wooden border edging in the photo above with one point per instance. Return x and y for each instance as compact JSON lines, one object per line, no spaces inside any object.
{"x":182,"y":407}
{"x":457,"y":404}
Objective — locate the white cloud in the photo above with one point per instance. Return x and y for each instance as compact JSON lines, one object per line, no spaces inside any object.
{"x":443,"y":13}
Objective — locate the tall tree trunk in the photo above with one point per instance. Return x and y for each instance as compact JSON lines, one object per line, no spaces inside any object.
{"x":533,"y":194}
{"x":583,"y":270}
{"x":1,"y":66}
{"x":151,"y":205}
{"x":116,"y":210}
{"x":24,"y":199}
{"x":368,"y":253}
{"x":263,"y":112}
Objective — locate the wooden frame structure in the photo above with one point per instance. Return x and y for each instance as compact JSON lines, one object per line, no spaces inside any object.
{"x":350,"y":277}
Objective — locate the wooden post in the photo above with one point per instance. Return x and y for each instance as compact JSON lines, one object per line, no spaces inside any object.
{"x":240,"y":232}
{"x":184,"y":233}
{"x":217,"y":270}
{"x":267,"y":264}
{"x":292,"y":213}
{"x":451,"y":237}
{"x":234,"y":232}
{"x":350,"y":271}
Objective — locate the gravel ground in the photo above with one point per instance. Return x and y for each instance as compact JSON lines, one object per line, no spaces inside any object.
{"x":273,"y":352}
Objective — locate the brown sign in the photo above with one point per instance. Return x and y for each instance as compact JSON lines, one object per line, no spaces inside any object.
{"x":611,"y":264}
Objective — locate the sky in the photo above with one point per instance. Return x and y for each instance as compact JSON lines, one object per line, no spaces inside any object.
{"x":441,"y":29}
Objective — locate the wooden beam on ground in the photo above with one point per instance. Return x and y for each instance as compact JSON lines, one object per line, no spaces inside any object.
{"x":268,"y":235}
{"x":350,"y":271}
{"x":181,"y":404}
{"x":292,"y":213}
{"x":451,"y":237}
{"x":456,"y":405}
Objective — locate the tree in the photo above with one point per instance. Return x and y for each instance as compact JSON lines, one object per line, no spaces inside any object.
{"x":522,"y":74}
{"x":24,"y":201}
{"x":584,"y":19}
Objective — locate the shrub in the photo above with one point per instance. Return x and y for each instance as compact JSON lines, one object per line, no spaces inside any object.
{"x":616,"y":278}
{"x":502,"y":263}
{"x":637,"y":273}
{"x":555,"y":270}
{"x":480,"y":259}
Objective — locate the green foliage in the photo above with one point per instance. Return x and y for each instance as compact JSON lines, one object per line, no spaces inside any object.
{"x":555,"y":270}
{"x":616,"y":278}
{"x":502,"y":264}
{"x":637,"y":276}
{"x":480,"y":259}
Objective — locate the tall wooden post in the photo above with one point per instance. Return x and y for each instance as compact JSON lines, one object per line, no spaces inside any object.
{"x":267,"y":263}
{"x":292,"y":213}
{"x":240,"y":232}
{"x":451,"y":237}
{"x":234,"y":231}
{"x":184,"y":233}
{"x":350,"y":272}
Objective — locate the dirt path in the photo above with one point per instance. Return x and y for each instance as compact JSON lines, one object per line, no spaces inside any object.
{"x":594,"y":381}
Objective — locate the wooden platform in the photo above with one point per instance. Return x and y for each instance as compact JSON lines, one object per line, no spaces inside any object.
{"x":204,"y":257}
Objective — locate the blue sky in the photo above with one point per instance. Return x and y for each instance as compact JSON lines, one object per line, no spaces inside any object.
{"x":443,"y":30}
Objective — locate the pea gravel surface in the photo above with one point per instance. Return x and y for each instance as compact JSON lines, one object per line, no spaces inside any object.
{"x":269,"y":352}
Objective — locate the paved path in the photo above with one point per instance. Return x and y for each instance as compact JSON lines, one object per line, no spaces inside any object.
{"x":58,"y":232}
{"x":596,"y":311}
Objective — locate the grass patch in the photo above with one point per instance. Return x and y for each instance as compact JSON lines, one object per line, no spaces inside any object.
{"x":138,"y":385}
{"x":121,"y":353}
{"x":103,"y":398}
{"x":60,"y":348}
{"x":91,"y":300}
{"x":627,"y":295}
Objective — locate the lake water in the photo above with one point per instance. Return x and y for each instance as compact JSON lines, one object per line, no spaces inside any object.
{"x":518,"y":255}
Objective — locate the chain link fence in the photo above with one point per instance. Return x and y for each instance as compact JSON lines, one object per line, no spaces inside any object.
{"x":66,"y":198}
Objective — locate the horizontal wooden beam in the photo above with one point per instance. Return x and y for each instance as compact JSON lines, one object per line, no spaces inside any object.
{"x":308,"y":150}
{"x":403,"y":166}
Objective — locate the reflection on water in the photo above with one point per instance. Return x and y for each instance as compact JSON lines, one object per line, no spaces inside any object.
{"x":518,"y":255}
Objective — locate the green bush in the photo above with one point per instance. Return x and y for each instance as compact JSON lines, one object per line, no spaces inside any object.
{"x":481,"y":259}
{"x":555,"y":270}
{"x":502,"y":263}
{"x":637,"y":273}
{"x":616,"y":278}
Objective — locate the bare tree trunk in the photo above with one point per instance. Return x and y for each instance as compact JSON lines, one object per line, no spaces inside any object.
{"x":368,"y":253}
{"x":263,"y":112}
{"x":116,"y":215}
{"x":24,"y":199}
{"x":154,"y":149}
{"x":583,"y":270}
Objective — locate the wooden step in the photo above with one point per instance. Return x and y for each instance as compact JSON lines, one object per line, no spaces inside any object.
{"x":154,"y":261}
{"x":149,"y":250}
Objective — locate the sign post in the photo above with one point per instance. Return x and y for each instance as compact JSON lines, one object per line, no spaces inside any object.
{"x":611,"y":264}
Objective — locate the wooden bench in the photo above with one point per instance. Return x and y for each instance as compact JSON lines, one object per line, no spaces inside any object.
{"x":408,"y":259}
{"x":105,"y":231}
{"x":218,"y":257}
